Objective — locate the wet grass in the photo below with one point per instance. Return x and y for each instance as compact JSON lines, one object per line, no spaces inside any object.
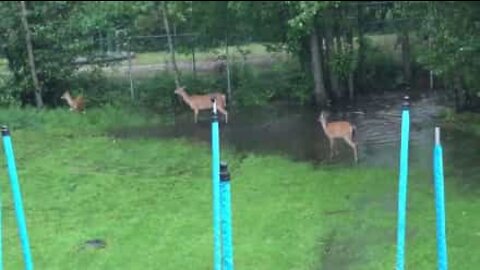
{"x":467,"y":121}
{"x":150,"y":201}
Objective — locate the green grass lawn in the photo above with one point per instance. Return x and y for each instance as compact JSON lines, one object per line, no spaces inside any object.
{"x":386,"y":42}
{"x":150,"y":200}
{"x":253,"y":49}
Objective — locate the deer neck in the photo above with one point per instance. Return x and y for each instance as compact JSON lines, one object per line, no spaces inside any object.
{"x":186,"y":98}
{"x":324,"y":123}
{"x":69,"y":100}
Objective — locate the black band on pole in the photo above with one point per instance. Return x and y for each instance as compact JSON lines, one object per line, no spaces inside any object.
{"x":224,"y":174}
{"x":5,"y":131}
{"x":406,"y":103}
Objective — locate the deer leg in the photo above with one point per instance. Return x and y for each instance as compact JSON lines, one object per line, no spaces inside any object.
{"x":195,"y":113}
{"x":331,"y":147}
{"x":354,"y":147}
{"x":224,"y":112}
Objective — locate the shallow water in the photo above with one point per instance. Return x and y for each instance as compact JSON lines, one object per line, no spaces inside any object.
{"x":294,"y":131}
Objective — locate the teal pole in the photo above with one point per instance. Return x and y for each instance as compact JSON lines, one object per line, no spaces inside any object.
{"x":440,"y":202}
{"x":402,"y":186}
{"x":1,"y":233}
{"x":225,"y":193}
{"x":217,"y":256}
{"x":17,"y":197}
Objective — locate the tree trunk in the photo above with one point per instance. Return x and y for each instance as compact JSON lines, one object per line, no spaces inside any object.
{"x":320,"y":95}
{"x":170,"y":43}
{"x":461,"y":96}
{"x":31,"y":59}
{"x":350,"y":49}
{"x":361,"y":49}
{"x":339,"y":50}
{"x":330,"y":51}
{"x":227,"y":59}
{"x":407,"y":67}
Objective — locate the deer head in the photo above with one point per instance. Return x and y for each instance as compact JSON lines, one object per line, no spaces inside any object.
{"x":322,"y":117}
{"x":66,"y":95}
{"x":180,"y":90}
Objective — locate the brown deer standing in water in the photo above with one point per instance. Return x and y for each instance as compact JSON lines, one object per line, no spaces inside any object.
{"x":203,"y":102}
{"x":76,"y":104}
{"x":338,"y":130}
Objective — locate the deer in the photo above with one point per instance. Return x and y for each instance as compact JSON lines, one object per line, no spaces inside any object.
{"x":203,"y":102}
{"x":339,"y":130}
{"x":76,"y":104}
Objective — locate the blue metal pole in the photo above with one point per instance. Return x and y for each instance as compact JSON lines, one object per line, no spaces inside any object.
{"x":17,"y":198}
{"x":217,"y":256}
{"x":1,"y":232}
{"x":227,"y":245}
{"x":440,"y":203}
{"x":402,"y":187}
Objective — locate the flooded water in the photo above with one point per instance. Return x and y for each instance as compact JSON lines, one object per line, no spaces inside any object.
{"x":295,"y":132}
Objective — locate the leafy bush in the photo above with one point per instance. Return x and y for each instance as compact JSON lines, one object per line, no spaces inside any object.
{"x":381,"y":69}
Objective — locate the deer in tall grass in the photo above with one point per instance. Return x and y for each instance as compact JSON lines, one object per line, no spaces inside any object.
{"x":76,"y":104}
{"x":338,"y":130}
{"x":203,"y":102}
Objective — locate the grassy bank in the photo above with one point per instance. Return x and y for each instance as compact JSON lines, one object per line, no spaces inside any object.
{"x":150,"y":200}
{"x":467,"y":121}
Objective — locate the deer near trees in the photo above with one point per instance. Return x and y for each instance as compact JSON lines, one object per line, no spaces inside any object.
{"x":338,"y":130}
{"x":203,"y":102}
{"x":76,"y":104}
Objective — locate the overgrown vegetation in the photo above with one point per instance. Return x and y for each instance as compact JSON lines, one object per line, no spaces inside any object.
{"x":469,"y":122}
{"x":328,"y":39}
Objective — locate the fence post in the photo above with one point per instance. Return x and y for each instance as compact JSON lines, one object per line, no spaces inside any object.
{"x":17,"y":197}
{"x":440,"y":202}
{"x":132,"y":90}
{"x":216,"y":188}
{"x":225,"y":194}
{"x":402,"y":186}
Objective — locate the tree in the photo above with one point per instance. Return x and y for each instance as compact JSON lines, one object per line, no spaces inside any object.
{"x":31,"y":58}
{"x":304,"y":22}
{"x":60,"y":33}
{"x":453,"y":30}
{"x":170,"y":43}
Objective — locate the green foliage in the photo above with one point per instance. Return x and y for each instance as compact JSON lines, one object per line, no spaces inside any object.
{"x":343,"y":63}
{"x":55,"y":44}
{"x":64,"y":31}
{"x":454,"y":48}
{"x":466,"y":121}
{"x":7,"y":91}
{"x":250,"y":86}
{"x":99,"y":89}
{"x":380,"y":68}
